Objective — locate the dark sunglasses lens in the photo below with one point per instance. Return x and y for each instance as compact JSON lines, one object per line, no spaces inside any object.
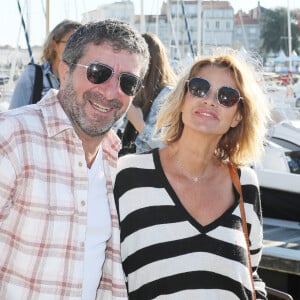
{"x":130,"y":84}
{"x":228,"y":96}
{"x":198,"y":87}
{"x":97,"y":73}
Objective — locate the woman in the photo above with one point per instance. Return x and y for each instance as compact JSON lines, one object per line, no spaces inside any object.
{"x":52,"y":53}
{"x":181,"y":230}
{"x":142,"y":115}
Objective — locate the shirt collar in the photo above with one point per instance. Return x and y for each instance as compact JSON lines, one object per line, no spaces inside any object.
{"x":56,"y":121}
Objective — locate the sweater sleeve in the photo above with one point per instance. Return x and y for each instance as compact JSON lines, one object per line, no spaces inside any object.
{"x":251,"y":195}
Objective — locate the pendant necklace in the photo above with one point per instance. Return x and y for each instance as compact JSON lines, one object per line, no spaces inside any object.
{"x":187,"y":174}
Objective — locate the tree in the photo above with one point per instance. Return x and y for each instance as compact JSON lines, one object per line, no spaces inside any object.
{"x":274,"y":32}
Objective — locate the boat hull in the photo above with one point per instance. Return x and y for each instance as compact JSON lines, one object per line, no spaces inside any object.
{"x":280,"y":204}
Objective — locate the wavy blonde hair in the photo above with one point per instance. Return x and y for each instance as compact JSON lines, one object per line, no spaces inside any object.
{"x":240,"y":145}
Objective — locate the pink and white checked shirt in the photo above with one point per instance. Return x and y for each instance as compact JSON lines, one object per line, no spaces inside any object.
{"x":43,"y":207}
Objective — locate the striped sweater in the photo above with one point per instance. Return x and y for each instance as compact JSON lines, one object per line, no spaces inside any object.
{"x":167,"y":254}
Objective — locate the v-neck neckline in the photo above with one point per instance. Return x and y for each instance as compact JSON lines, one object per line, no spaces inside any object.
{"x":202,"y":228}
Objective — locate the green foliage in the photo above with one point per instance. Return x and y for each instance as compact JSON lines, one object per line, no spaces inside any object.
{"x":275,"y":30}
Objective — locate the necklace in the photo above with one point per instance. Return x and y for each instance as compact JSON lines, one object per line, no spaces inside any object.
{"x":187,"y":174}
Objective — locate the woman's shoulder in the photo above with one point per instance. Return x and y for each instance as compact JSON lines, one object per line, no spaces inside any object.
{"x":166,"y":90}
{"x":46,"y":67}
{"x":28,"y":71}
{"x":140,"y":161}
{"x":162,"y":96}
{"x":248,"y":176}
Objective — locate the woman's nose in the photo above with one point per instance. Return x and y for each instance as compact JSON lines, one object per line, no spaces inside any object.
{"x":211,"y":97}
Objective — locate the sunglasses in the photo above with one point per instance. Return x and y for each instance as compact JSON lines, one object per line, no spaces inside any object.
{"x":226,"y":96}
{"x":98,"y":73}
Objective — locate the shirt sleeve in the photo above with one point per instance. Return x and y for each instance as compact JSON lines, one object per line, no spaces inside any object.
{"x":7,"y":183}
{"x":23,"y":90}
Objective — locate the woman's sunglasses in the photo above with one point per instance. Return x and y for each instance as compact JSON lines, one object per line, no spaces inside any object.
{"x":226,"y":96}
{"x":98,"y":73}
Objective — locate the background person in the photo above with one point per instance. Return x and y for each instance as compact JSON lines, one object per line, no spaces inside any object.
{"x":181,"y":230}
{"x":29,"y":81}
{"x":142,"y":114}
{"x":59,"y":234}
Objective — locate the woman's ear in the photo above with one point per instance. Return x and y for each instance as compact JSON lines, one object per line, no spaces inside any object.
{"x":236,"y":119}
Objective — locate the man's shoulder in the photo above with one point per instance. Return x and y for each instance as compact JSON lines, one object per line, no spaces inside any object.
{"x":17,"y":115}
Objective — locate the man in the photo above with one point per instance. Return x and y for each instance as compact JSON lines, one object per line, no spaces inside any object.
{"x":59,"y":235}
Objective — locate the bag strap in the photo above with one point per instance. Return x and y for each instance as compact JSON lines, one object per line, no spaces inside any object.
{"x":236,"y":182}
{"x":38,"y":84}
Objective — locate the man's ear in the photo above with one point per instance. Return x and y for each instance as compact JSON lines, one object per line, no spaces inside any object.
{"x":236,"y":119}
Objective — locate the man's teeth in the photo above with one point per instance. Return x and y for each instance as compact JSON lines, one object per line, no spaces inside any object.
{"x":101,"y":108}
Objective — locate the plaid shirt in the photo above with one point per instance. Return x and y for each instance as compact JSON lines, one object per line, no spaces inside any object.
{"x":43,"y":207}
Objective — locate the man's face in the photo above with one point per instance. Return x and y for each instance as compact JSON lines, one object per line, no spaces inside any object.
{"x":94,"y":108}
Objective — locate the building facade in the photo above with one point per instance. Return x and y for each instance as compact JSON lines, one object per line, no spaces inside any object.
{"x":247,"y":29}
{"x":191,"y":28}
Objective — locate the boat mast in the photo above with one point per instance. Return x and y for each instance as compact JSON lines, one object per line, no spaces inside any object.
{"x":142,"y":29}
{"x":26,"y":33}
{"x":187,"y":29}
{"x":47,"y":17}
{"x":289,"y":35}
{"x":199,"y":28}
{"x":174,"y":36}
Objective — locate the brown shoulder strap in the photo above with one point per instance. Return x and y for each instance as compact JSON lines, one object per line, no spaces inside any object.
{"x":236,"y":182}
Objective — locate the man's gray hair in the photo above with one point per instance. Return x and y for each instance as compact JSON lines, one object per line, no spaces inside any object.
{"x":120,"y":35}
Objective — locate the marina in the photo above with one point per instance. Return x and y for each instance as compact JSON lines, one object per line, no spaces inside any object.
{"x":281,"y":246}
{"x":280,"y":264}
{"x":278,"y":174}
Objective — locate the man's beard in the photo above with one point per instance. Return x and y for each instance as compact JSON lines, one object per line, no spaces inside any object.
{"x":76,"y":112}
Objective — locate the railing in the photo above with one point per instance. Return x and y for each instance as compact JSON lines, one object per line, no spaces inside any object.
{"x":278,"y":294}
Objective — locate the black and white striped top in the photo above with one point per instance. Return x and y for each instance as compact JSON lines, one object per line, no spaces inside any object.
{"x":166,"y":254}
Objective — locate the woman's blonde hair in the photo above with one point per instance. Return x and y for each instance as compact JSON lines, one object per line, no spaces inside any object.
{"x":239,"y":145}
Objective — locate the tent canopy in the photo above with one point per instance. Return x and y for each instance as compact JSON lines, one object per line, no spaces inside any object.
{"x":295,"y":57}
{"x":281,"y":58}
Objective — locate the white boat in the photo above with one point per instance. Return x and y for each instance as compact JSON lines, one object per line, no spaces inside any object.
{"x":279,"y":172}
{"x":286,"y":133}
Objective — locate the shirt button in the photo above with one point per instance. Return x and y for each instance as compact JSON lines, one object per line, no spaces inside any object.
{"x":81,"y":244}
{"x":82,"y":203}
{"x":80,"y":164}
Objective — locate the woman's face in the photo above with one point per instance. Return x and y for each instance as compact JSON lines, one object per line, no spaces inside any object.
{"x":60,"y":45}
{"x":205,"y":114}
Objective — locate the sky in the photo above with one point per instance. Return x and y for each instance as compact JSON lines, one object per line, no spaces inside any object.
{"x":12,"y":33}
